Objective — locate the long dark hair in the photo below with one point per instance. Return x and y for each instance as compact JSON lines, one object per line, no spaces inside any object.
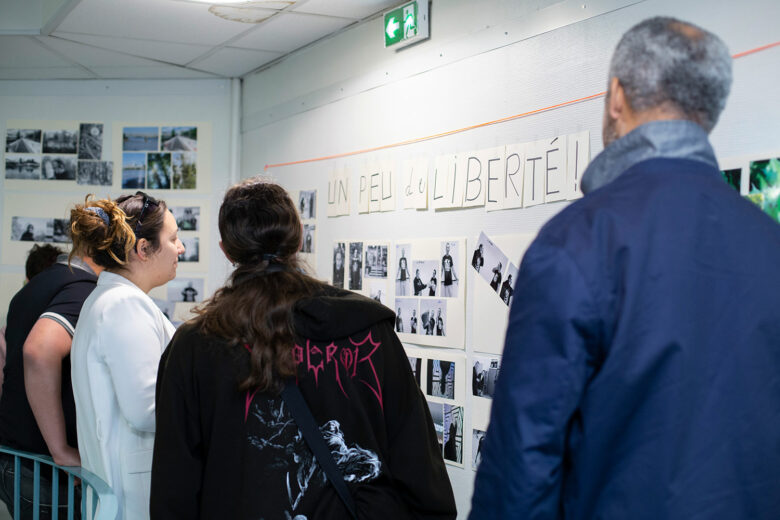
{"x":261,"y":234}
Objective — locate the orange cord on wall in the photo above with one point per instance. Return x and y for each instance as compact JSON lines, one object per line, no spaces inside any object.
{"x":480,"y":125}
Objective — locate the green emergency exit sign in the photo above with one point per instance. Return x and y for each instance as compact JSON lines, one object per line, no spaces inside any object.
{"x":406,"y":24}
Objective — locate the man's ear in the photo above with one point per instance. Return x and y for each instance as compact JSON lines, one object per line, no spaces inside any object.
{"x":617,"y":99}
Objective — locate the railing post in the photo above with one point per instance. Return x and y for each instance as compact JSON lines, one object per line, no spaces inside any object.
{"x":36,"y":490}
{"x":55,"y":493}
{"x":17,"y":486}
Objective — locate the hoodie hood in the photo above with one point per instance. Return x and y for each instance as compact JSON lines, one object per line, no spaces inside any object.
{"x":337,"y":313}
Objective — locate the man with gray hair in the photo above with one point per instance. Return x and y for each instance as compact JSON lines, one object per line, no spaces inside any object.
{"x":640,"y":376}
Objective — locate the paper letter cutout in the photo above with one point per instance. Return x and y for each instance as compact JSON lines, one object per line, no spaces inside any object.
{"x":514,"y":169}
{"x":555,"y":170}
{"x":578,"y":159}
{"x":494,"y":175}
{"x":473,"y":179}
{"x":388,"y":194}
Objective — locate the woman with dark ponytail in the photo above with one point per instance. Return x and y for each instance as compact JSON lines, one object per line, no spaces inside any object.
{"x":119,"y":339}
{"x":227,"y":444}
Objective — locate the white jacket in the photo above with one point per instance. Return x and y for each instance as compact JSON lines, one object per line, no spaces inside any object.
{"x":116,"y":349}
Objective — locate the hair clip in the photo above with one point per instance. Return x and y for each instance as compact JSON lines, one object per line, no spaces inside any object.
{"x":100,"y":212}
{"x":270,"y":257}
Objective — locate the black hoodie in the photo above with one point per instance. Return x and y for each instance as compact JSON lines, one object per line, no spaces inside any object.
{"x":221,"y":453}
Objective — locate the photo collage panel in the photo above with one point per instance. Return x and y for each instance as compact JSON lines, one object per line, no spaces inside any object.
{"x":159,"y":157}
{"x":58,"y":155}
{"x":494,"y":267}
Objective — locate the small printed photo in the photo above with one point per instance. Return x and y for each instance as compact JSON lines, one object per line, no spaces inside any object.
{"x":453,"y":433}
{"x":22,"y":141}
{"x":416,"y":364}
{"x":191,"y":249}
{"x":450,"y":258}
{"x":134,"y":170}
{"x":307,"y":204}
{"x":60,"y":141}
{"x":437,"y":414}
{"x":477,"y":436}
{"x":90,"y":141}
{"x":338,"y":265}
{"x":180,"y":138}
{"x":185,"y":171}
{"x":60,"y":228}
{"x":377,"y":290}
{"x":140,"y":138}
{"x":484,"y":374}
{"x":59,"y":167}
{"x":508,"y":285}
{"x":356,"y":266}
{"x":165,"y":306}
{"x":376,"y":261}
{"x":433,"y":317}
{"x":733,"y":178}
{"x":495,"y":262}
{"x":185,"y":290}
{"x":406,"y":320}
{"x":441,"y":378}
{"x":32,"y":229}
{"x":96,"y":173}
{"x":158,"y":171}
{"x":309,"y":236}
{"x":403,"y":274}
{"x":27,"y":167}
{"x":187,"y":217}
{"x":765,"y":186}
{"x":426,"y":277}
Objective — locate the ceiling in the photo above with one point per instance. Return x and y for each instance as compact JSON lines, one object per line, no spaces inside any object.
{"x":163,"y":39}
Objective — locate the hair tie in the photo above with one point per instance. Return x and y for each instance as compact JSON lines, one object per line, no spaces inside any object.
{"x":270,"y":257}
{"x":100,"y":212}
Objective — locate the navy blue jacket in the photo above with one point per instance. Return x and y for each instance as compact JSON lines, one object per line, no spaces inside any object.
{"x":641,"y":372}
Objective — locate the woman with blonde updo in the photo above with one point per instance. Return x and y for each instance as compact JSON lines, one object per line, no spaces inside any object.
{"x":228,"y":445}
{"x":119,"y":339}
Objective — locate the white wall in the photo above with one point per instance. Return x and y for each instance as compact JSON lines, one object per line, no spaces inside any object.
{"x":140,"y":102}
{"x":485,"y":60}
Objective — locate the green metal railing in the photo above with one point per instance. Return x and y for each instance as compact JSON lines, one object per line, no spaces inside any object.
{"x":97,"y":499}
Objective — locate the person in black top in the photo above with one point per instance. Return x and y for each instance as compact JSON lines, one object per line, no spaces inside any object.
{"x":338,"y":266}
{"x":37,"y":410}
{"x":399,"y":324}
{"x":28,"y":235}
{"x":189,"y":293}
{"x":419,"y":286}
{"x":439,"y":323}
{"x":413,"y":322}
{"x":402,"y":278}
{"x":448,"y":274}
{"x":223,"y":430}
{"x":478,"y":260}
{"x":432,"y":284}
{"x":506,"y":290}
{"x":496,"y":281}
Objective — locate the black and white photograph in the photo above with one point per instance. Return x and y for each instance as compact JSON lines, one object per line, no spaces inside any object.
{"x":96,"y":173}
{"x":140,"y":138}
{"x":508,"y":285}
{"x":453,"y":433}
{"x":32,"y":229}
{"x":309,"y":236}
{"x":191,"y":249}
{"x":433,"y":317}
{"x":450,"y":257}
{"x":60,"y":230}
{"x":425,"y":281}
{"x":90,"y":141}
{"x":356,"y":266}
{"x":60,"y":141}
{"x":376,"y":261}
{"x":437,"y":414}
{"x":377,"y":291}
{"x":477,"y":437}
{"x":187,"y":217}
{"x":406,"y":319}
{"x":179,"y":138}
{"x":59,"y":167}
{"x":185,"y":171}
{"x":158,"y":171}
{"x":495,"y":262}
{"x":307,"y":204}
{"x":185,"y":290}
{"x":167,"y":307}
{"x":22,"y":141}
{"x":403,"y":273}
{"x":441,"y":378}
{"x":134,"y":170}
{"x":416,"y":364}
{"x":27,"y":167}
{"x":484,"y":374}
{"x":338,"y":264}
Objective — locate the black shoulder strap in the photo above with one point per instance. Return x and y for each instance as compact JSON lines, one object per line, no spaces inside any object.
{"x":311,"y":433}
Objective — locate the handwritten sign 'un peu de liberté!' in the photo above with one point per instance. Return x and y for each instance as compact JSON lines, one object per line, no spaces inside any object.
{"x":406,"y":24}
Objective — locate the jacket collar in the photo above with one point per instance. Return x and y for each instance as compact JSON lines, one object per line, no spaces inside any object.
{"x":76,"y":261}
{"x":675,"y":139}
